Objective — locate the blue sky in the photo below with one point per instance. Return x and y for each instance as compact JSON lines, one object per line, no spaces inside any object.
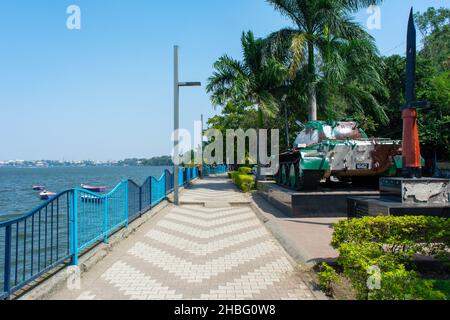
{"x":105,"y":92}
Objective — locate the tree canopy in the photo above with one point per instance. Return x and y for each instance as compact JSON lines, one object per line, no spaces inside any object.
{"x":329,"y":61}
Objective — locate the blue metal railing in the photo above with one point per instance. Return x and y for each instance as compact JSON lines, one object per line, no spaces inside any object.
{"x":219,"y":169}
{"x":35,"y":243}
{"x":98,"y":216}
{"x":58,"y":231}
{"x":181,"y":179}
{"x":158,"y":187}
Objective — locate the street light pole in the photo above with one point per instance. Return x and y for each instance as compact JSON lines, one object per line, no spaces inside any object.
{"x":176,"y":127}
{"x":176,"y":91}
{"x":201,"y":146}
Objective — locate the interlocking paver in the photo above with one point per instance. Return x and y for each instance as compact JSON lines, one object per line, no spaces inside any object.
{"x":196,"y":252}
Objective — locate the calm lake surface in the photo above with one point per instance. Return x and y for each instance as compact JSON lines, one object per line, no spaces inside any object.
{"x":17,"y":196}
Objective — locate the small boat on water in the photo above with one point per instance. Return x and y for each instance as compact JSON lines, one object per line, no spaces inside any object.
{"x":93,"y":189}
{"x":45,"y":195}
{"x":38,"y":188}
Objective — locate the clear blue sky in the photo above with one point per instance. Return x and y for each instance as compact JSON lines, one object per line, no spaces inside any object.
{"x":105,"y":92}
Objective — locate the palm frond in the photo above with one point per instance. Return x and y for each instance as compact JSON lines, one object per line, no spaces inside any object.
{"x":298,"y":48}
{"x":356,"y":5}
{"x":268,"y":104}
{"x":278,"y":45}
{"x":292,"y":9}
{"x":252,"y":51}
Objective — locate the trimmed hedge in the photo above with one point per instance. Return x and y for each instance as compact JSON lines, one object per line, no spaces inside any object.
{"x":421,"y":234}
{"x":245,"y":170}
{"x":230,"y":174}
{"x":244,"y":181}
{"x":389,"y":244}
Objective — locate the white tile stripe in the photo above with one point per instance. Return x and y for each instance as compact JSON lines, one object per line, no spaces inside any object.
{"x":200,"y":249}
{"x":207,"y":234}
{"x":212,"y":223}
{"x":254,"y":282}
{"x":209,"y":215}
{"x":196,"y":273}
{"x":136,"y":284}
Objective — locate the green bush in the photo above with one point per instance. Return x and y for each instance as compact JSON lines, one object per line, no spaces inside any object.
{"x":443,"y":286}
{"x":230,"y":174}
{"x":243,"y":181}
{"x":245,"y":170}
{"x":396,"y":282}
{"x":389,"y":244}
{"x":400,"y":284}
{"x":410,"y":235}
{"x":327,"y":278}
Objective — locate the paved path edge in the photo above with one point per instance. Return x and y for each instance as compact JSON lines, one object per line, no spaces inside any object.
{"x":297,"y":253}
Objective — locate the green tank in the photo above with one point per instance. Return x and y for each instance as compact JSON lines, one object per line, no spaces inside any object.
{"x":338,"y":151}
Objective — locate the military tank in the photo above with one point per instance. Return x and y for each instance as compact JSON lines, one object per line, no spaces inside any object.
{"x":336,"y":151}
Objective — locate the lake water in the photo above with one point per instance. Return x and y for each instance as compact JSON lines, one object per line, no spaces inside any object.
{"x":17,"y":196}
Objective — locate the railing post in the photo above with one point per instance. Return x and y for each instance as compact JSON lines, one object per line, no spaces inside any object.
{"x":7,"y":271}
{"x":150,"y":192}
{"x":126,"y":204}
{"x":74,"y":227}
{"x":168,"y":182}
{"x":140,"y":201}
{"x":105,"y":221}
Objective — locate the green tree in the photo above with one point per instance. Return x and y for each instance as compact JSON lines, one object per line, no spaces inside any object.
{"x":434,"y":24}
{"x":317,"y":24}
{"x":248,"y":84}
{"x":351,"y":85}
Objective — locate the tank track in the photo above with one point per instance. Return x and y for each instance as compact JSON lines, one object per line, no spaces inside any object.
{"x":289,"y":176}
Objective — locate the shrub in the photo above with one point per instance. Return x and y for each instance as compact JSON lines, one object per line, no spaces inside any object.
{"x":396,"y":282}
{"x":243,"y":181}
{"x":327,"y":278}
{"x":388,"y":243}
{"x":421,"y":234}
{"x":245,"y":170}
{"x":443,"y":286}
{"x":230,"y":174}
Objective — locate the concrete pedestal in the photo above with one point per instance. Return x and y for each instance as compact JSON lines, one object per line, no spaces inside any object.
{"x":325,"y":203}
{"x":404,"y":197}
{"x":425,"y":191}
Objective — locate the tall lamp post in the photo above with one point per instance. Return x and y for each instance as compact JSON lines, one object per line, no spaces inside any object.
{"x":176,"y":89}
{"x":201,"y":147}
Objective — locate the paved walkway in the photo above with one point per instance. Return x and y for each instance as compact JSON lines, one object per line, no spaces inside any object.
{"x":307,"y":239}
{"x":210,"y":251}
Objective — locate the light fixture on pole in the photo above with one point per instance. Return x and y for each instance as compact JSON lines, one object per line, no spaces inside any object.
{"x":176,"y":88}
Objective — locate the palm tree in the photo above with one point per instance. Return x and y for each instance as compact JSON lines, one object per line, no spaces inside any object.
{"x":317,"y":23}
{"x":351,"y":81}
{"x":251,"y":82}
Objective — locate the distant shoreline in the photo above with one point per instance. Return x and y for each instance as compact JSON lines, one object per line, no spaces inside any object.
{"x":162,"y":161}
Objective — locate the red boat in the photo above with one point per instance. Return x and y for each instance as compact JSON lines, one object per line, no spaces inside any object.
{"x":93,"y":189}
{"x":45,"y":195}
